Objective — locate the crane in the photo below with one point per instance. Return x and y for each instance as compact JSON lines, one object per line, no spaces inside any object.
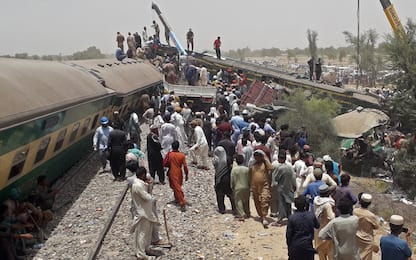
{"x":392,"y":16}
{"x":168,"y":29}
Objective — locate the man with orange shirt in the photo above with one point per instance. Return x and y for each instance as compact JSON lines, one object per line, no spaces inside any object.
{"x":175,"y":160}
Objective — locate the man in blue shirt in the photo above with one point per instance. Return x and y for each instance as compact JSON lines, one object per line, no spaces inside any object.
{"x":392,"y":247}
{"x":313,"y":188}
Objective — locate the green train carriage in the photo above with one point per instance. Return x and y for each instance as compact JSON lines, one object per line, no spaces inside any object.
{"x":50,"y":111}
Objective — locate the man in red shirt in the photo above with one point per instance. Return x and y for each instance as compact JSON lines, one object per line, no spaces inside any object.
{"x":176,"y":161}
{"x":217,"y":45}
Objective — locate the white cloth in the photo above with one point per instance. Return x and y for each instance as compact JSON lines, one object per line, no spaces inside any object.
{"x":203,"y":75}
{"x":200,"y":139}
{"x":179,"y":123}
{"x":325,"y":178}
{"x":158,"y":121}
{"x":200,"y":148}
{"x":167,"y":136}
{"x":143,"y":217}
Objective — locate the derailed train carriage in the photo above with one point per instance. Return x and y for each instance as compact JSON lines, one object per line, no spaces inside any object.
{"x":50,"y":110}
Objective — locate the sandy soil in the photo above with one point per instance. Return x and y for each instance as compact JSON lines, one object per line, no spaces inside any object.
{"x":252,"y":241}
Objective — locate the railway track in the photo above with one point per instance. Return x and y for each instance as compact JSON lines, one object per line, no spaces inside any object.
{"x":84,"y":212}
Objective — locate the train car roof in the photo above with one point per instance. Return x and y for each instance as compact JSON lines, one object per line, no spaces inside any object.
{"x":123,"y":77}
{"x":33,"y":88}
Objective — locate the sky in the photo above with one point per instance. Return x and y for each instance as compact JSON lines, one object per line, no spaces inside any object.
{"x":66,"y":26}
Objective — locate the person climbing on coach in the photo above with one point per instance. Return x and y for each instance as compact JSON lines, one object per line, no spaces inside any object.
{"x":100,"y":141}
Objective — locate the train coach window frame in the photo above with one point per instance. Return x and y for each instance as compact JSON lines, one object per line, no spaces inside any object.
{"x":85,"y":126}
{"x":19,"y":161}
{"x":50,"y":122}
{"x":43,"y":147}
{"x":60,"y":140}
{"x":94,"y":121}
{"x":74,"y":132}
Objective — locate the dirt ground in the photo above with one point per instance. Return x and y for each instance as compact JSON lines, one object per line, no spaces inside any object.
{"x":250,"y":239}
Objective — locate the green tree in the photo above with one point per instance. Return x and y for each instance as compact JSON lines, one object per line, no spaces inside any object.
{"x":21,"y":55}
{"x":312,"y":38}
{"x":367,"y":59}
{"x":316,"y":114}
{"x":90,"y":53}
{"x":401,"y":49}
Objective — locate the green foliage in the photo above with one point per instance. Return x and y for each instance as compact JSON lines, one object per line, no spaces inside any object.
{"x":405,"y":176}
{"x":90,"y":53}
{"x":316,"y":115}
{"x":368,"y":58}
{"x":401,"y":49}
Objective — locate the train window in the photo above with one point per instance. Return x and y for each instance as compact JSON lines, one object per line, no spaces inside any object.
{"x":74,"y":132}
{"x":43,"y":146}
{"x":94,"y":122}
{"x":18,"y":162}
{"x":85,"y":126}
{"x":50,"y":122}
{"x":60,"y":140}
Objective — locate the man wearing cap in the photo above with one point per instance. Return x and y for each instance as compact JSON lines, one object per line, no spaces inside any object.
{"x":324,"y":211}
{"x":392,"y":247}
{"x":100,"y":141}
{"x":367,"y":223}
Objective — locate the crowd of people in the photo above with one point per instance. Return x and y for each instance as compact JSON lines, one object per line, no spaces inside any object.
{"x":252,"y":159}
{"x":22,"y":220}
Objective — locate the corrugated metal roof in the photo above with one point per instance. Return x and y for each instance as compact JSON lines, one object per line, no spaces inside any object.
{"x":259,"y":94}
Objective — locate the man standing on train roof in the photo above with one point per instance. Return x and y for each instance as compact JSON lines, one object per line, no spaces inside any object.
{"x":138,"y":40}
{"x":157,"y":29}
{"x":144,"y":35}
{"x":217,"y":46}
{"x":190,"y":40}
{"x":117,"y":148}
{"x":100,"y":141}
{"x":120,"y":41}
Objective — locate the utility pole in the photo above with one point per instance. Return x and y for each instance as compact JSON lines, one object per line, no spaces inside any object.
{"x":358,"y":45}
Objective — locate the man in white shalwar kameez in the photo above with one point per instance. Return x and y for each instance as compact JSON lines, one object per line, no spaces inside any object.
{"x":179,"y":123}
{"x":167,"y":135}
{"x":143,"y":215}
